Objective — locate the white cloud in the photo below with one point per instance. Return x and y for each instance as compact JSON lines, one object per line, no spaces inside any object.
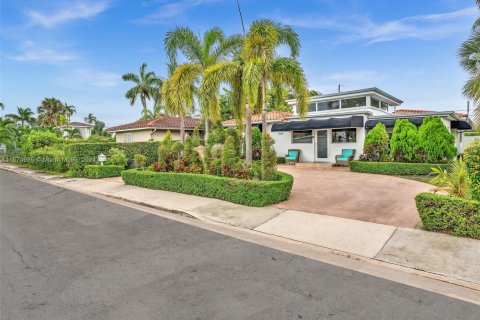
{"x":166,"y":12}
{"x":46,"y":53}
{"x":354,"y":28}
{"x":84,"y":78}
{"x":78,"y":10}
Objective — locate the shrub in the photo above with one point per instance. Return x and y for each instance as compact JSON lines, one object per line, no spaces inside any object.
{"x":106,"y":171}
{"x":269,"y":158}
{"x":49,"y":158}
{"x":256,"y":143}
{"x":216,"y":135}
{"x":191,"y":156}
{"x":404,"y":141}
{"x":454,"y":180}
{"x":472,"y":134}
{"x":40,"y":139}
{"x":82,"y":154}
{"x":167,"y":140}
{"x":117,"y":157}
{"x":472,"y":160}
{"x":376,"y":144}
{"x":232,"y":132}
{"x":280,"y":160}
{"x":140,"y":160}
{"x":229,"y":157}
{"x":246,"y":192}
{"x":436,"y":141}
{"x":196,"y":137}
{"x":459,"y":217}
{"x":394,"y":168}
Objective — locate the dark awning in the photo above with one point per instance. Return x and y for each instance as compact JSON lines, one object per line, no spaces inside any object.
{"x":390,"y":123}
{"x":347,"y":122}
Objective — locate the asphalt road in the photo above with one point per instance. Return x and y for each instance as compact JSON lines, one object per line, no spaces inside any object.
{"x":65,"y":255}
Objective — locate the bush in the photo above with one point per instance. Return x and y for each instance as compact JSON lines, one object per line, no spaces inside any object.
{"x":269,"y":158}
{"x":394,"y":168}
{"x":455,"y":216}
{"x":256,"y":143}
{"x":99,"y":172}
{"x":232,"y":132}
{"x":246,"y":192}
{"x":472,"y":160}
{"x":229,"y":155}
{"x":216,"y":135}
{"x":436,"y":141}
{"x":404,"y":141}
{"x":117,"y":157}
{"x":472,"y":134}
{"x":81,"y":154}
{"x":376,"y":144}
{"x":280,"y":160}
{"x":40,"y":139}
{"x":140,"y":160}
{"x":49,"y":158}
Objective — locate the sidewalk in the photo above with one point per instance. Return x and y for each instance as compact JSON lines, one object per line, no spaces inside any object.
{"x":444,"y":255}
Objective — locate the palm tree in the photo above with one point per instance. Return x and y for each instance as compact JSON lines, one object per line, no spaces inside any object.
{"x":147,"y":86}
{"x":264,"y":67}
{"x":50,"y":112}
{"x":73,"y":133}
{"x":2,"y":106}
{"x":152,"y":114}
{"x":454,"y":181}
{"x":23,"y":115}
{"x":8,"y":132}
{"x":69,"y":111}
{"x":201,"y":52}
{"x":90,"y":118}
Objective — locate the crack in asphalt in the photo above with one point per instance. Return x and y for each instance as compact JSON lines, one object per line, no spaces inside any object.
{"x":20,"y":255}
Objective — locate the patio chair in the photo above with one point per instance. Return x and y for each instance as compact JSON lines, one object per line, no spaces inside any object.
{"x":345,"y":158}
{"x":293,"y":156}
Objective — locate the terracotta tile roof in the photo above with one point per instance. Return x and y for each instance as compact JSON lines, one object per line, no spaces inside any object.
{"x":412,"y":111}
{"x":257,"y":118}
{"x":165,"y":122}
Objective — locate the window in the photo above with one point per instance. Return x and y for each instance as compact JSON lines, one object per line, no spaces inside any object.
{"x":127,"y":137}
{"x":302,"y":136}
{"x":375,"y":102}
{"x":344,"y":135}
{"x":354,"y":102}
{"x":384,"y":105}
{"x":312,"y":107}
{"x":328,"y":105}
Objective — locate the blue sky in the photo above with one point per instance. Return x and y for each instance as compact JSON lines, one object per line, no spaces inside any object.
{"x":77,"y":50}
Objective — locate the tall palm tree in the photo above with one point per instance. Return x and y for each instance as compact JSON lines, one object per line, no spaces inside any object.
{"x":50,"y":112}
{"x":147,"y":86}
{"x":73,"y":133}
{"x":265,"y":67}
{"x":69,"y":111}
{"x":23,"y":115}
{"x":201,"y":52}
{"x":90,"y":118}
{"x":152,"y":114}
{"x":2,"y":106}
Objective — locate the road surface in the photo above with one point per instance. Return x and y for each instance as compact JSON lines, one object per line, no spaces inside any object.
{"x":66,"y":255}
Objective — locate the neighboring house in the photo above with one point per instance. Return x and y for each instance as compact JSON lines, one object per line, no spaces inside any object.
{"x":341,"y":121}
{"x":153,"y":129}
{"x":84,"y":128}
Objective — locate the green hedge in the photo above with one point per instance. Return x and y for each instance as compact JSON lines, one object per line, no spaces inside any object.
{"x":247,"y":192}
{"x":99,"y":172}
{"x":82,"y":154}
{"x":472,"y":134}
{"x":456,"y":216}
{"x":394,"y":168}
{"x":47,"y":158}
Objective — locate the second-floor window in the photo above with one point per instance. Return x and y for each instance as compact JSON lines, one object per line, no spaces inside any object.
{"x":354,"y":102}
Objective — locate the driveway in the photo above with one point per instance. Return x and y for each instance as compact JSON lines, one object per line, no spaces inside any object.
{"x":367,"y":197}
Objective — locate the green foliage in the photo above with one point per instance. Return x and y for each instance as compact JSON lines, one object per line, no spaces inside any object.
{"x":82,"y":154}
{"x":196,"y":137}
{"x":280,"y":160}
{"x":217,"y":135}
{"x":459,"y":217}
{"x":39,"y":139}
{"x":94,"y":138}
{"x":376,"y":144}
{"x":230,"y":156}
{"x":100,"y":172}
{"x":436,"y":141}
{"x":269,"y":158}
{"x":48,"y":158}
{"x":256,"y":143}
{"x":472,"y":134}
{"x":394,"y":168}
{"x":167,"y":140}
{"x":190,"y":156}
{"x":246,"y":192}
{"x":117,"y":157}
{"x":404,"y":141}
{"x":140,"y":160}
{"x":454,"y":180}
{"x":472,"y":160}
{"x":235,"y":134}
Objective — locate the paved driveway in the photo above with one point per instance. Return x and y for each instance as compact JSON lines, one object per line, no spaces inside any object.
{"x":367,"y":197}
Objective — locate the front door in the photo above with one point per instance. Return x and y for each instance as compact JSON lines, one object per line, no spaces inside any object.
{"x":322,"y":145}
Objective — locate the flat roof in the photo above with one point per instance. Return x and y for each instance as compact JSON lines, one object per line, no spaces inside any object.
{"x":359,"y":91}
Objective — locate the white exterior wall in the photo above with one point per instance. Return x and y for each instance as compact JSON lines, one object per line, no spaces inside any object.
{"x":465,"y":141}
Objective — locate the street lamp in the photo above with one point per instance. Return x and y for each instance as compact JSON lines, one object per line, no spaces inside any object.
{"x":102,"y":158}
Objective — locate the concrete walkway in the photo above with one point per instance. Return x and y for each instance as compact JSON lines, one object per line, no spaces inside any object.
{"x":447,"y":256}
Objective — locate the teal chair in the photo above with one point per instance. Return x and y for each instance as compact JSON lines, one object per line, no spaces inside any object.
{"x":293,"y":156}
{"x":345,"y":158}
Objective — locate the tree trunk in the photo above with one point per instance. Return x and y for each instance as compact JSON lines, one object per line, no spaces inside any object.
{"x":182,"y":129}
{"x":144,"y":103}
{"x":264,"y":106}
{"x":248,"y":135}
{"x":207,"y":129}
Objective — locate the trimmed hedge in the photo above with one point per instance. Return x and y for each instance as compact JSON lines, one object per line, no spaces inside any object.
{"x":394,"y":168}
{"x":82,"y":154}
{"x":99,"y":172}
{"x":47,"y":158}
{"x":456,"y":216}
{"x":247,"y":192}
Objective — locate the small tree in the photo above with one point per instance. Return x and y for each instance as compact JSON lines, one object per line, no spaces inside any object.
{"x":269,"y":158}
{"x":472,"y":161}
{"x":256,"y":143}
{"x":216,"y":135}
{"x":404,"y":141}
{"x":454,"y":181}
{"x":436,"y":141}
{"x":118,"y":157}
{"x":229,"y":157}
{"x":140,"y":160}
{"x":376,"y":144}
{"x":232,"y":132}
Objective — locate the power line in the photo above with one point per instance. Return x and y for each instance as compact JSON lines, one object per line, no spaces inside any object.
{"x":241,"y":17}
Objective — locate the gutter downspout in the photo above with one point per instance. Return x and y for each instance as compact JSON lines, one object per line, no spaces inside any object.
{"x":151,"y":134}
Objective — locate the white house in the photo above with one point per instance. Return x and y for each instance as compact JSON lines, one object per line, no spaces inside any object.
{"x":85,"y":129}
{"x":341,"y":120}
